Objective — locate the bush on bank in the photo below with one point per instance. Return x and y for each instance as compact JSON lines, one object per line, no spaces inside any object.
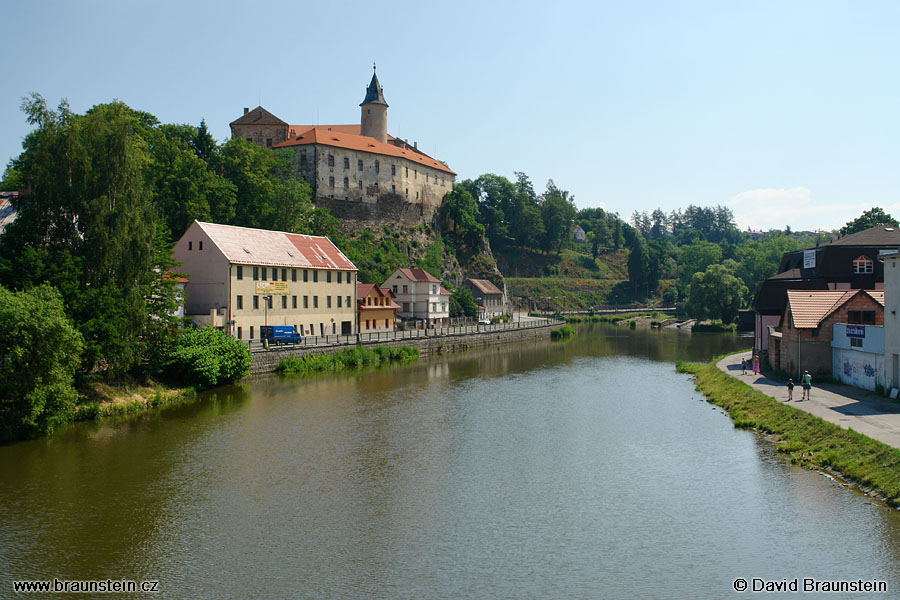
{"x":810,"y":441}
{"x":349,"y":358}
{"x":204,"y":357}
{"x":563,"y":333}
{"x":40,"y":352}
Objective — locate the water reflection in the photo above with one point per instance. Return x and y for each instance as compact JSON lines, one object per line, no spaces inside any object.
{"x":585,"y":469}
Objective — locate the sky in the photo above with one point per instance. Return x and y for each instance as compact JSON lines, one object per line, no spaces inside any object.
{"x":786,"y":112}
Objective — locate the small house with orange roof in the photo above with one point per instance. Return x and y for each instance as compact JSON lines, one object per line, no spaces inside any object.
{"x":420,"y":295}
{"x":376,"y":310}
{"x":488,"y":297}
{"x":804,"y":338}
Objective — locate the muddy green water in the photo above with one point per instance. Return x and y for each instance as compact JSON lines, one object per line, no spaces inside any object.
{"x":586,"y":469}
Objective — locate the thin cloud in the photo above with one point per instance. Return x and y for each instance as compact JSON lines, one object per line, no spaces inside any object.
{"x":774,"y":208}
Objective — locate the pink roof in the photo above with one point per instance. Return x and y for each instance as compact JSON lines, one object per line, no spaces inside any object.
{"x":419,"y":275}
{"x":485,"y":286}
{"x":243,"y":245}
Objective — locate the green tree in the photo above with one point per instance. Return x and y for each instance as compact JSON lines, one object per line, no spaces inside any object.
{"x":871,"y":218}
{"x":716,"y":293}
{"x":40,"y":352}
{"x":557,"y":213}
{"x":89,"y":228}
{"x":459,"y":211}
{"x":462,"y":303}
{"x":694,"y":258}
{"x":760,"y":260}
{"x":204,"y":357}
{"x":637,"y":268}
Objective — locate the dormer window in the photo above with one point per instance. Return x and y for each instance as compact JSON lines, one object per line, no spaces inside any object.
{"x":863,"y":264}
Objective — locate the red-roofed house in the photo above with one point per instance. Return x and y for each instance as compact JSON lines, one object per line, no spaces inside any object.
{"x":420,"y":296}
{"x":242,"y":279}
{"x":376,"y":309}
{"x":803,"y":340}
{"x":354,"y":162}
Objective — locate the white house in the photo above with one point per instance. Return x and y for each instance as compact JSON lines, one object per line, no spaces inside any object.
{"x":420,"y":296}
{"x":891,"y":320}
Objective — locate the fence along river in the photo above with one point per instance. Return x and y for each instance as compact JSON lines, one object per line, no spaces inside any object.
{"x":587,"y":469}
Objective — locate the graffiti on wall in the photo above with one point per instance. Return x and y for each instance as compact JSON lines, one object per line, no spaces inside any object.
{"x":859,"y":371}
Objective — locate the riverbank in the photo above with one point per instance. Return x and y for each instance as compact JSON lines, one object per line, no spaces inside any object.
{"x":126,"y":396}
{"x":809,"y":441}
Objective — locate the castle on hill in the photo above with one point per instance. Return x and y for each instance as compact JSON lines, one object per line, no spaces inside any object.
{"x":359,"y":163}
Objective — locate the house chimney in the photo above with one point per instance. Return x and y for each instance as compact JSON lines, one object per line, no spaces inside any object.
{"x":416,"y":145}
{"x":246,"y":110}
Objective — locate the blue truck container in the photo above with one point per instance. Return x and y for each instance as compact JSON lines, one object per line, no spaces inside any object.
{"x":280,"y":334}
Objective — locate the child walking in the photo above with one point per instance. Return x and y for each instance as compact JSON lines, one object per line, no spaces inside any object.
{"x":790,"y":389}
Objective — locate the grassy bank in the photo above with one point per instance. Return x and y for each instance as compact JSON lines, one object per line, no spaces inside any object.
{"x":563,"y":333}
{"x":101,"y":399}
{"x":349,"y":358}
{"x":617,"y":317}
{"x":714,"y":327}
{"x":808,"y":440}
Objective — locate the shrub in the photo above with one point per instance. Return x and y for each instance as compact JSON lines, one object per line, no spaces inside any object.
{"x":40,"y":351}
{"x":204,"y":357}
{"x":351,"y":357}
{"x":563,"y":333}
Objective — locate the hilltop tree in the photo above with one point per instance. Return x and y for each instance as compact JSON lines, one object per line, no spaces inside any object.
{"x":637,"y":268}
{"x":557,"y":213}
{"x":871,"y":218}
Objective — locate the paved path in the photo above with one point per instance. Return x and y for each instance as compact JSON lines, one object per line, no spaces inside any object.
{"x":849,"y":407}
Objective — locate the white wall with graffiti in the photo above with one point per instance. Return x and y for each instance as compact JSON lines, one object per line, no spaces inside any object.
{"x":857,"y":355}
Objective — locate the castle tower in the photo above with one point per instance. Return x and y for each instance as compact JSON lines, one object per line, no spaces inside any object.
{"x":373,"y":122}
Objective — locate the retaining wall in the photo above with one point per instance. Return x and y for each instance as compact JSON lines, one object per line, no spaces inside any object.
{"x":265,"y":361}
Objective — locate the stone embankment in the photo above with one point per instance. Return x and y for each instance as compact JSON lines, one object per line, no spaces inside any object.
{"x":266,"y":361}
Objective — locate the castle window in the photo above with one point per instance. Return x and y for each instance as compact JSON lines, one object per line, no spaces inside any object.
{"x":359,"y":165}
{"x":415,"y":173}
{"x":442,"y":182}
{"x":377,"y":167}
{"x":407,"y":191}
{"x":331,"y":182}
{"x":268,"y":142}
{"x":417,"y":195}
{"x":346,"y":183}
{"x":426,"y":177}
{"x":393,"y":189}
{"x":359,"y":183}
{"x":346,"y":163}
{"x":407,"y":171}
{"x":331,"y":160}
{"x":863,"y":264}
{"x":393,"y":170}
{"x":303,"y":159}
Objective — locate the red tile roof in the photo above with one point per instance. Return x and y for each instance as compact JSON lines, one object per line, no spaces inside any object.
{"x":339,"y":137}
{"x":258,"y":116}
{"x":419,"y":275}
{"x":243,"y":245}
{"x":810,"y":308}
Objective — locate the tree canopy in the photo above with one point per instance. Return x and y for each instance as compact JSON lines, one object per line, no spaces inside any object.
{"x":871,"y":218}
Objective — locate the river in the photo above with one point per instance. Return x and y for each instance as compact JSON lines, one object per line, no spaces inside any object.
{"x":585,"y":469}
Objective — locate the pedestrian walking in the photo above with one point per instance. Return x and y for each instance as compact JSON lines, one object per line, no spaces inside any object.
{"x":756,"y":364}
{"x":790,"y":387}
{"x":806,"y":382}
{"x":743,"y":366}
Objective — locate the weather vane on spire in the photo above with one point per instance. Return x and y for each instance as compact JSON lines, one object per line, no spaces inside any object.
{"x":373,"y":65}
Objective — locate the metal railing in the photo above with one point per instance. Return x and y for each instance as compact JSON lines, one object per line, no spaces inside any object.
{"x":376,"y":337}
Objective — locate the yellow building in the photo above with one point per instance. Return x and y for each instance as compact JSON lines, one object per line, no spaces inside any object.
{"x":241,"y":279}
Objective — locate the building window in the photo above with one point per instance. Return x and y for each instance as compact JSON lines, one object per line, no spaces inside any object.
{"x":346,"y":163}
{"x":255,"y":273}
{"x":426,"y":177}
{"x":405,"y":289}
{"x":348,"y":302}
{"x":269,"y":302}
{"x":359,"y":165}
{"x":264,"y":270}
{"x":863,"y":264}
{"x":434,"y":307}
{"x":240,"y":272}
{"x":274,"y":274}
{"x":268,"y":142}
{"x":331,"y":182}
{"x":190,"y":245}
{"x":407,"y":172}
{"x":200,"y":245}
{"x":339,"y":301}
{"x":251,"y":332}
{"x":331,"y":160}
{"x":861,"y":317}
{"x":367,"y":323}
{"x":305,"y":301}
{"x":393,"y":170}
{"x":377,"y":167}
{"x":434,"y":289}
{"x":395,"y":289}
{"x":328,"y":301}
{"x":315,"y":302}
{"x":239,"y":334}
{"x":240,"y":302}
{"x":415,"y":173}
{"x":340,"y":275}
{"x":346,"y":183}
{"x":315,"y":277}
{"x":255,"y":306}
{"x":293,"y":274}
{"x":417,"y":195}
{"x":856,"y":342}
{"x":305,"y":275}
{"x":359,"y":184}
{"x":284,"y":302}
{"x":284,"y":274}
{"x":407,"y":191}
{"x":293,"y":301}
{"x":393,"y":189}
{"x":303,"y":159}
{"x":328,"y":276}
